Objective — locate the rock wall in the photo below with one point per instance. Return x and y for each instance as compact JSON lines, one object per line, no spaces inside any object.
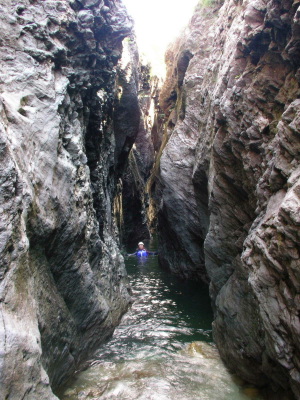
{"x":228,"y":187}
{"x":69,"y":115}
{"x":134,"y":224}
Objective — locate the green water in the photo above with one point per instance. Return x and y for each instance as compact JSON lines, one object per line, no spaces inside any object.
{"x":163,"y":348}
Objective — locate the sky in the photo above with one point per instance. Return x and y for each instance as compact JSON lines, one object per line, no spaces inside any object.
{"x":157,"y":23}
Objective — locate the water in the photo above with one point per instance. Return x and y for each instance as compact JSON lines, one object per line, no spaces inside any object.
{"x":163,"y":348}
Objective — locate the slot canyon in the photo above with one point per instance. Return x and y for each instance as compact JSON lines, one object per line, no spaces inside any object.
{"x":98,"y":152}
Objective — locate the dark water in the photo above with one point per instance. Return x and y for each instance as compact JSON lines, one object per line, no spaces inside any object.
{"x":163,"y":348}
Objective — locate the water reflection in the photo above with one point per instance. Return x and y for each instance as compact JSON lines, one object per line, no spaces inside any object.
{"x":163,"y":348}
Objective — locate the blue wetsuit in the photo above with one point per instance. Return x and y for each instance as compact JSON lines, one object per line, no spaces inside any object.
{"x":144,"y":253}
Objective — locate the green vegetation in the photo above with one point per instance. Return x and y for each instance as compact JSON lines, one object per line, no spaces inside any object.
{"x":207,"y":3}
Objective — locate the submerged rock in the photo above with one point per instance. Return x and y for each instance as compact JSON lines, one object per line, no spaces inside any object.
{"x":202,"y":349}
{"x":62,"y":150}
{"x":229,"y":176}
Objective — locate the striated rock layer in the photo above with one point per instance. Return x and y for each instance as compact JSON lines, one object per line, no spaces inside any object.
{"x":229,"y":179}
{"x":69,"y":115}
{"x":133,"y":202}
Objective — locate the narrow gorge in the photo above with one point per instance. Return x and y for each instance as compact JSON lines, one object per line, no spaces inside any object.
{"x":98,"y":153}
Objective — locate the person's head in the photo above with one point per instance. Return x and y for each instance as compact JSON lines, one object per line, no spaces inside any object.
{"x":141,"y":245}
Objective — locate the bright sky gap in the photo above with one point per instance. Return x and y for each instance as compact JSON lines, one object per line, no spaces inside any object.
{"x":157,"y":23}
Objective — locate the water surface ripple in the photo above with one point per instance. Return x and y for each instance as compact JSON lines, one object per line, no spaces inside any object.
{"x":163,"y":348}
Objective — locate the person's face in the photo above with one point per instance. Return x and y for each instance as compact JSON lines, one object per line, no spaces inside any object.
{"x":141,"y":246}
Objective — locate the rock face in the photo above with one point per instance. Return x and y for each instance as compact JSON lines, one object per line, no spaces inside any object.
{"x":133,"y":204}
{"x":69,"y":115}
{"x":229,"y":179}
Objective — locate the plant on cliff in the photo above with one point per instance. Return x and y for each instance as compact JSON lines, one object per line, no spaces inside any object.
{"x":207,"y":3}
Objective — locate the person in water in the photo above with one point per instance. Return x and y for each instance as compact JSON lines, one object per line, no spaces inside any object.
{"x":142,"y":252}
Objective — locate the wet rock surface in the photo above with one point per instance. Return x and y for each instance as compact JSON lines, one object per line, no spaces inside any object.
{"x":62,"y":151}
{"x":228,"y":184}
{"x":134,"y":223}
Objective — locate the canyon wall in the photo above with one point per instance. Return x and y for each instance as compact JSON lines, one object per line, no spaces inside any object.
{"x":228,"y":187}
{"x":69,"y":115}
{"x":134,"y":204}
